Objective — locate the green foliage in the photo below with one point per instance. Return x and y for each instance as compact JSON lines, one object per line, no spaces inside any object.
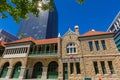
{"x":80,"y":1}
{"x":19,"y":9}
{"x":48,"y":6}
{"x":21,"y":36}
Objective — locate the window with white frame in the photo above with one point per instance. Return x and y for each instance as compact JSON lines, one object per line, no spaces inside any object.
{"x":71,"y":48}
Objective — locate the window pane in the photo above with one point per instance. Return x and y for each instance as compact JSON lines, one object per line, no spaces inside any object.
{"x":67,"y":50}
{"x":96,"y":67}
{"x":111,"y":67}
{"x":74,"y":50}
{"x":91,"y":46}
{"x":97,"y":45}
{"x":71,"y":68}
{"x":103,"y":44}
{"x":103,"y":67}
{"x":78,"y":68}
{"x":71,"y":48}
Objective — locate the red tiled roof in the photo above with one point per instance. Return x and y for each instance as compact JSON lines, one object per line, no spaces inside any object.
{"x":47,"y":41}
{"x":23,"y":40}
{"x":42,"y":41}
{"x":2,"y":43}
{"x":93,"y":33}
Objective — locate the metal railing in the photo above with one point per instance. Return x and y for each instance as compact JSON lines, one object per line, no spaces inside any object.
{"x":43,"y":53}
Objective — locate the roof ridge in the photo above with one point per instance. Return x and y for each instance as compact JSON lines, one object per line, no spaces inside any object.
{"x":91,"y":33}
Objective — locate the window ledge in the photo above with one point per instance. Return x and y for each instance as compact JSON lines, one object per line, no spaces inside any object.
{"x":98,"y":74}
{"x":71,"y":54}
{"x":114,"y":74}
{"x":105,"y":74}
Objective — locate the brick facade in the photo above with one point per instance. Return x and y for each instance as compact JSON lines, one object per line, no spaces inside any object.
{"x":72,"y":66}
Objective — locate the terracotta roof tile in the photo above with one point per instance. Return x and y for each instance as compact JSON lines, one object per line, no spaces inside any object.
{"x":41,"y":41}
{"x":47,"y":41}
{"x":93,"y":33}
{"x":23,"y":40}
{"x":2,"y":43}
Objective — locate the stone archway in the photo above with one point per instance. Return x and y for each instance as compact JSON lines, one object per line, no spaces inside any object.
{"x":52,"y":72}
{"x":37,"y":70}
{"x":4,"y":70}
{"x":16,"y":70}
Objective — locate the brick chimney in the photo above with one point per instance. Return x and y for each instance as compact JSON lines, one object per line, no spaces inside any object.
{"x":76,"y":29}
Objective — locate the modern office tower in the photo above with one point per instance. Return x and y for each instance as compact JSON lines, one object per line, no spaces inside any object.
{"x":91,"y":56}
{"x":6,"y":36}
{"x":44,"y":26}
{"x":115,"y":28}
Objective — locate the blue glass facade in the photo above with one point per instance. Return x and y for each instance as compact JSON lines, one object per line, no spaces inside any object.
{"x":44,"y":26}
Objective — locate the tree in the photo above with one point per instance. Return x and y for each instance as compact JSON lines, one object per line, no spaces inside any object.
{"x":19,"y":9}
{"x":21,"y":36}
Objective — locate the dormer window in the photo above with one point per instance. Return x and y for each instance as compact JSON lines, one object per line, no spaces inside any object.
{"x":71,"y":48}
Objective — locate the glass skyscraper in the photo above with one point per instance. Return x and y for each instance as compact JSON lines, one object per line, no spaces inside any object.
{"x":6,"y":36}
{"x":44,"y":26}
{"x":115,"y":28}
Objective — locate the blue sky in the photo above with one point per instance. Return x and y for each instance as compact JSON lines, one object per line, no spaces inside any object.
{"x":93,"y":14}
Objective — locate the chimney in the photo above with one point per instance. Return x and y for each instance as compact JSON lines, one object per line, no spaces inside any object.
{"x":76,"y":29}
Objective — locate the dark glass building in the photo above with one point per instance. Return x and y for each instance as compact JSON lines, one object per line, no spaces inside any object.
{"x":6,"y":36}
{"x":42,"y":27}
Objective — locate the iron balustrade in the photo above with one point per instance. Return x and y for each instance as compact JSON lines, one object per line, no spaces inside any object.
{"x":43,"y":53}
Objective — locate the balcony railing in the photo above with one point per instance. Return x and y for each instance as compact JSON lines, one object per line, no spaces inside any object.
{"x":43,"y":53}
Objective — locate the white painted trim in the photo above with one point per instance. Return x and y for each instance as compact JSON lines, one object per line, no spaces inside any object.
{"x":14,"y":55}
{"x":12,"y":47}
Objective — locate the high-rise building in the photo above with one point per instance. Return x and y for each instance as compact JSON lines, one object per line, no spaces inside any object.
{"x":6,"y":36}
{"x":44,"y":26}
{"x":115,"y":28}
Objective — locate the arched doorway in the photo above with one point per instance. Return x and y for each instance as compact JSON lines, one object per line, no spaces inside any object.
{"x":4,"y":70}
{"x":16,"y":70}
{"x":52,"y":72}
{"x":37,"y":70}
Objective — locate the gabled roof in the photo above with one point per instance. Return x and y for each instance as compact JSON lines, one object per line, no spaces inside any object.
{"x":47,"y":41}
{"x":23,"y":40}
{"x":69,"y":32}
{"x":93,"y":33}
{"x":2,"y":44}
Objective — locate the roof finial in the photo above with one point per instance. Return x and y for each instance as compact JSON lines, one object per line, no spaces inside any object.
{"x":59,"y":35}
{"x":76,"y":27}
{"x":69,"y":29}
{"x":93,"y":30}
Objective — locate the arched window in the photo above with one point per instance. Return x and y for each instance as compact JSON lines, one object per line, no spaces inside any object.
{"x":71,"y":48}
{"x":52,"y":72}
{"x":37,"y":70}
{"x":4,"y":70}
{"x":16,"y":70}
